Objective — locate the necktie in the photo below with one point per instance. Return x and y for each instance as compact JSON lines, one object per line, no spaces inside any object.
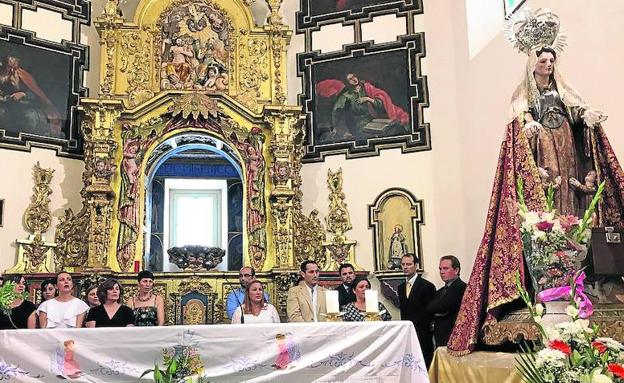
{"x":408,"y":289}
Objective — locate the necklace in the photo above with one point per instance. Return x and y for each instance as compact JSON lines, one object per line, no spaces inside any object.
{"x":147,"y":298}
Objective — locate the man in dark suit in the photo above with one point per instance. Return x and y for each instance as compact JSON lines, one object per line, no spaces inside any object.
{"x":414,"y":295}
{"x":446,"y":302}
{"x":345,"y":290}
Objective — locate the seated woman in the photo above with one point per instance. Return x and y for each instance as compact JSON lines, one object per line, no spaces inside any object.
{"x":65,"y":310}
{"x":22,"y":311}
{"x":256,"y":309}
{"x":111,"y":313}
{"x":48,"y":290}
{"x":92,"y":299}
{"x":354,"y":311}
{"x":149,"y":308}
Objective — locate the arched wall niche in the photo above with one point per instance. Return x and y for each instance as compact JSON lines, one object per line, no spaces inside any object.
{"x":209,"y":149}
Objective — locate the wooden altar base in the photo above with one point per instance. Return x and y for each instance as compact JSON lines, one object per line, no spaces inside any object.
{"x":517,"y":325}
{"x":476,"y":367}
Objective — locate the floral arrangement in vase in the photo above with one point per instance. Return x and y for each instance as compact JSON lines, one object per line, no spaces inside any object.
{"x":570,"y":351}
{"x":554,"y":245}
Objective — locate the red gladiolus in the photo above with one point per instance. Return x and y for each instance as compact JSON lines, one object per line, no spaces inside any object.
{"x":561,"y":346}
{"x":599,"y":346}
{"x":545,"y":226}
{"x":616,"y":369}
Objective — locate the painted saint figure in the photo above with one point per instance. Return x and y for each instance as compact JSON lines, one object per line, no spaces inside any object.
{"x":23,"y":104}
{"x":361,"y":110}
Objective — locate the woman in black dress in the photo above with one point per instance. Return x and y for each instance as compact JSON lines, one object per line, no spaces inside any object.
{"x":110,"y":313}
{"x":22,"y":311}
{"x":48,"y":289}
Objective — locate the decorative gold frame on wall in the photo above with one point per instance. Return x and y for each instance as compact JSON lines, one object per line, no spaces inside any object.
{"x":396,"y":208}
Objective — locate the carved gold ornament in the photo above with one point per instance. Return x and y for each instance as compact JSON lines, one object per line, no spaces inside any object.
{"x":37,"y":217}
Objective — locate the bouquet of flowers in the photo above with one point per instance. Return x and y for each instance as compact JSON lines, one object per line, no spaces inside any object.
{"x":569,"y":352}
{"x":554,"y":245}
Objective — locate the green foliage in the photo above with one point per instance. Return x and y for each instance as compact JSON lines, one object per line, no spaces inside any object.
{"x":8,"y":295}
{"x":579,"y":233}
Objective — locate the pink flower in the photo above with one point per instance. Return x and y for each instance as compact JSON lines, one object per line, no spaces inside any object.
{"x":567,"y":221}
{"x":560,"y":254}
{"x":545,"y":226}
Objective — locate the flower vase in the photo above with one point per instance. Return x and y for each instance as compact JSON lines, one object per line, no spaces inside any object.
{"x":555,"y":312}
{"x":553,"y":265}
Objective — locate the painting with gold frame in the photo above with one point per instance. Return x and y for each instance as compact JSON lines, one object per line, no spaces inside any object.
{"x":337,"y":85}
{"x":395,"y":217}
{"x":316,"y":12}
{"x":40,"y":85}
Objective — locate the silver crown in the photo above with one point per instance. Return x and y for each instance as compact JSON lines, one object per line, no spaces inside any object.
{"x":528,"y":30}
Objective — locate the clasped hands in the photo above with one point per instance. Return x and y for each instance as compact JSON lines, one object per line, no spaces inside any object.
{"x":590,"y":117}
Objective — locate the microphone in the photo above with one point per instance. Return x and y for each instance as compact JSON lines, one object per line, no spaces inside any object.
{"x":240,"y":304}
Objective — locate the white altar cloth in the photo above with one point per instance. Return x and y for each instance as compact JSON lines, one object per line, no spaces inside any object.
{"x":304,"y":352}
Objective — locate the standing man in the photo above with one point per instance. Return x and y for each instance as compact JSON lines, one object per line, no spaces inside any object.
{"x":446,"y":302}
{"x":306,"y":301}
{"x":345,"y":290}
{"x":237,"y":297}
{"x":414,"y":295}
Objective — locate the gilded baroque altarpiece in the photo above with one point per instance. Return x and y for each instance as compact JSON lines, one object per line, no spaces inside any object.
{"x":191,"y":67}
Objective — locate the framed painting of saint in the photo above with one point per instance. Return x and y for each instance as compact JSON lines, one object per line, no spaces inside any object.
{"x":364,"y":99}
{"x":40,"y":85}
{"x":316,"y":12}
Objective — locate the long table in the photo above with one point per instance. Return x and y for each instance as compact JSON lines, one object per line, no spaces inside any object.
{"x":289,"y":352}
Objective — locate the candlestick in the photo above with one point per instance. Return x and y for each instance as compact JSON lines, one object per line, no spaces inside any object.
{"x":372,"y":302}
{"x":331,"y":300}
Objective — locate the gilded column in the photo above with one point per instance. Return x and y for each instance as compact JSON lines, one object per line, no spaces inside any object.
{"x":100,"y":152}
{"x":286,"y":125}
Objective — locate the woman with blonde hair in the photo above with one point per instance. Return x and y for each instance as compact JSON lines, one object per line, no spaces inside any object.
{"x":255,"y":308}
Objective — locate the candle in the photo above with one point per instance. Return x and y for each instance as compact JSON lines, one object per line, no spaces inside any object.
{"x":331,"y":300}
{"x":372,"y":305}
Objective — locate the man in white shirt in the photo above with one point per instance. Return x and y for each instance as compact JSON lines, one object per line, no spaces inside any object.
{"x":306,"y":301}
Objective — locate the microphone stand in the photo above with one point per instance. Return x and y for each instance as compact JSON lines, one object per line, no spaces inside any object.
{"x":240,"y":304}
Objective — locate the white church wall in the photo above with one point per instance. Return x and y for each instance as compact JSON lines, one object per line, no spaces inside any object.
{"x":432,"y":176}
{"x":17,"y":187}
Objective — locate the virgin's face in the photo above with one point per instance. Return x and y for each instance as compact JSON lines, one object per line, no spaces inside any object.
{"x":49,"y":292}
{"x":112,"y":294}
{"x":545,"y":64}
{"x":256,"y":293}
{"x":92,"y":298}
{"x":360,"y":289}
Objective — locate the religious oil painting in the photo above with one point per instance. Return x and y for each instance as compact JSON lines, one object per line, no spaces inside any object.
{"x":365,"y":100}
{"x":315,"y":11}
{"x":40,"y":84}
{"x":395,"y":217}
{"x":196,"y":47}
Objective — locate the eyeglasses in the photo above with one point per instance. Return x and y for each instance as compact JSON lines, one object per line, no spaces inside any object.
{"x":245,"y":275}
